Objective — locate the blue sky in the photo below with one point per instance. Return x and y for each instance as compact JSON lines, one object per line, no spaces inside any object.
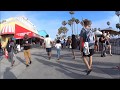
{"x":51,"y":20}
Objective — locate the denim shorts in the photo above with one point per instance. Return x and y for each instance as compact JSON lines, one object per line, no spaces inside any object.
{"x":48,"y":49}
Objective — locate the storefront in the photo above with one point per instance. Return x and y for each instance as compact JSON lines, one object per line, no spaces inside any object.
{"x":17,"y":28}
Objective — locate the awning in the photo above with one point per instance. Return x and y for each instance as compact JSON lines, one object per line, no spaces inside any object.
{"x":8,"y":29}
{"x":20,"y":32}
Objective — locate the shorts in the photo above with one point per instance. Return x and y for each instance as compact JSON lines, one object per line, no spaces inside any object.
{"x":91,"y":53}
{"x":48,"y":49}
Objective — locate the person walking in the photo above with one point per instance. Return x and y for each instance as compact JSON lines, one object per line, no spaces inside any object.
{"x":10,"y":50}
{"x":48,"y":45}
{"x":108,"y":45}
{"x":96,"y":44}
{"x":87,"y":41}
{"x":58,"y":48}
{"x":1,"y":51}
{"x":102,"y":41}
{"x":73,"y":45}
{"x":27,"y":45}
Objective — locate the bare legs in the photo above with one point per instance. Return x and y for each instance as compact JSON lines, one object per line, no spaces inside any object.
{"x":73,"y":54}
{"x":89,"y":65}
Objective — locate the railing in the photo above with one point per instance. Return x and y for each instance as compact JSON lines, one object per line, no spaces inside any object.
{"x":115,"y":46}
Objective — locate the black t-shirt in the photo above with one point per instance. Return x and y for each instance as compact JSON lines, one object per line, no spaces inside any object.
{"x":102,"y":41}
{"x":74,"y":43}
{"x":26,"y":41}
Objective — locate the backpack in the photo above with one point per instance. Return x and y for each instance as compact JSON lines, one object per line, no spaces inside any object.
{"x":90,"y":38}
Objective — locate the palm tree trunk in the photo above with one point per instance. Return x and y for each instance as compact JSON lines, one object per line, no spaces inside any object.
{"x":72,"y":24}
{"x":77,"y":29}
{"x":74,"y":28}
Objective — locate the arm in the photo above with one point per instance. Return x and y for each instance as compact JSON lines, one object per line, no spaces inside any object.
{"x":81,"y":40}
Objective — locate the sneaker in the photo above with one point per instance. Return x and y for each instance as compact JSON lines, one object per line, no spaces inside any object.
{"x":88,"y":72}
{"x":13,"y":63}
{"x":27,"y":65}
{"x":30,"y":62}
{"x":101,"y":55}
{"x":110,"y":54}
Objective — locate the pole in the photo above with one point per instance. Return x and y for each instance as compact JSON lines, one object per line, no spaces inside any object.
{"x":119,"y":19}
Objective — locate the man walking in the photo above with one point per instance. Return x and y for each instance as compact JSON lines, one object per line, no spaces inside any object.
{"x":87,"y":40}
{"x":27,"y":55}
{"x":48,"y":45}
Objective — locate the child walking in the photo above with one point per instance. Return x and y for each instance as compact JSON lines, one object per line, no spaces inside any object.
{"x":58,"y":48}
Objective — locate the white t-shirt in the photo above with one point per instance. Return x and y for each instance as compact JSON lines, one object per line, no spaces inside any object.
{"x":58,"y":45}
{"x":47,"y":42}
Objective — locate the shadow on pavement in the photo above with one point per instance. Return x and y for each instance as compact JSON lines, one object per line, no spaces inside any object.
{"x":8,"y":74}
{"x":67,"y":70}
{"x":44,"y":56}
{"x":21,"y":60}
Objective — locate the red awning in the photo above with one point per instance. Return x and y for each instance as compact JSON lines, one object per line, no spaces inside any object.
{"x":20,"y":32}
{"x":8,"y":29}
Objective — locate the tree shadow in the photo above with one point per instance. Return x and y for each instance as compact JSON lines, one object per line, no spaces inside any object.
{"x":8,"y":74}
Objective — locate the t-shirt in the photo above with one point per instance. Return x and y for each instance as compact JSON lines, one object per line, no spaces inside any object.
{"x":47,"y":42}
{"x":26,"y":41}
{"x":58,"y":45}
{"x":74,"y":43}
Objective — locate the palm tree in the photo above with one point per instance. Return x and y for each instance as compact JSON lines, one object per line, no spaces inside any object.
{"x":64,"y":23}
{"x":118,"y":26}
{"x":108,"y":23}
{"x":77,"y":22}
{"x":60,"y":30}
{"x":99,"y":29}
{"x":73,"y":20}
{"x":72,"y":12}
{"x":64,"y":30}
{"x":70,"y":23}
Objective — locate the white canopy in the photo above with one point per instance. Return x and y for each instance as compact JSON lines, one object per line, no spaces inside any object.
{"x":97,"y":32}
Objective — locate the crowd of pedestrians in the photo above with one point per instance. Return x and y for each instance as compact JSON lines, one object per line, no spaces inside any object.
{"x":87,"y":44}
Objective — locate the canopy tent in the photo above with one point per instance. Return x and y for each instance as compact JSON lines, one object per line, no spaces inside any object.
{"x":98,"y":33}
{"x":111,"y":31}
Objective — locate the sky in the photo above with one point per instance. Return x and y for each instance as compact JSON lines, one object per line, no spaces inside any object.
{"x":50,"y":21}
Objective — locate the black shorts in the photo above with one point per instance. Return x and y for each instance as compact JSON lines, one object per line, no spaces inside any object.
{"x":48,"y":49}
{"x":91,"y":53}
